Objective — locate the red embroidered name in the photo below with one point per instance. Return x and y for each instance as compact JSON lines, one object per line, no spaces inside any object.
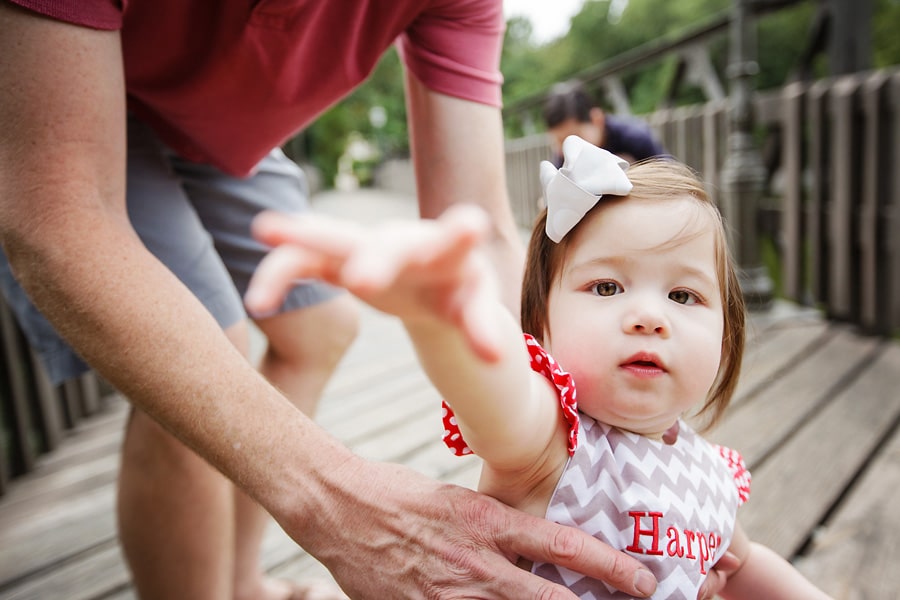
{"x":683,"y":543}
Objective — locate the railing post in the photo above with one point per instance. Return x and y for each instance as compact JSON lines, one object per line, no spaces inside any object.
{"x":743,"y":174}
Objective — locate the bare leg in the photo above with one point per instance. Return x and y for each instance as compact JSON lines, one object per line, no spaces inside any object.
{"x":175,"y":513}
{"x":304,"y":348}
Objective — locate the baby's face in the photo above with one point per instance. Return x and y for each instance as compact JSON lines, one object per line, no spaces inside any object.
{"x":636,"y":314}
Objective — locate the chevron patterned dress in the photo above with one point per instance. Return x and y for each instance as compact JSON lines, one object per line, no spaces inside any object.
{"x":671,"y":506}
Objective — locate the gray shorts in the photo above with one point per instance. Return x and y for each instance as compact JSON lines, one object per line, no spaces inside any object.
{"x":195,"y":220}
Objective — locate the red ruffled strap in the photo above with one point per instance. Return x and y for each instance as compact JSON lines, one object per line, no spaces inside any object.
{"x":542,"y":363}
{"x":735,"y":463}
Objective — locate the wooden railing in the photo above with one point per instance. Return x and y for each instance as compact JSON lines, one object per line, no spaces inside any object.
{"x":34,"y":414}
{"x":832,"y":204}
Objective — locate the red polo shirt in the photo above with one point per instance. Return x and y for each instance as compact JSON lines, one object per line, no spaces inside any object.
{"x":224,"y":82}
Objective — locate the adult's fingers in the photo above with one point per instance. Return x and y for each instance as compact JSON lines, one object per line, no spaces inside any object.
{"x":541,"y":540}
{"x":500,"y":579}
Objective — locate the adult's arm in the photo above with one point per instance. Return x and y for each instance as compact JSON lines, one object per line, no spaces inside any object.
{"x":458,"y":155}
{"x":383,"y":530}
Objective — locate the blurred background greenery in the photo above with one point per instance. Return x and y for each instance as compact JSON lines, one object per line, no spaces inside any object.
{"x":354,"y":137}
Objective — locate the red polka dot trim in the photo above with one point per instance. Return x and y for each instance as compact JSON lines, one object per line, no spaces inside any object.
{"x":741,"y":475}
{"x":542,"y":363}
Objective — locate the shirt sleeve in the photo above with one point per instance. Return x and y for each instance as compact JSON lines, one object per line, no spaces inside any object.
{"x":96,"y":14}
{"x":454,"y":48}
{"x":543,"y":363}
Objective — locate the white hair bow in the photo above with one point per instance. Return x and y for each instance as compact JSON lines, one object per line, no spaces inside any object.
{"x":587,"y":173}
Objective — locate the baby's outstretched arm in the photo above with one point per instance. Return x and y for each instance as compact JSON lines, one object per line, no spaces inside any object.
{"x":433,"y":275}
{"x":764,"y":574}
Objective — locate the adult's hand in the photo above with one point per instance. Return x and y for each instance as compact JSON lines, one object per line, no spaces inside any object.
{"x":393,"y":533}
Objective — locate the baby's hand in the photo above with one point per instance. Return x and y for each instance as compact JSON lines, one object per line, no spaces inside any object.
{"x":417,"y":270}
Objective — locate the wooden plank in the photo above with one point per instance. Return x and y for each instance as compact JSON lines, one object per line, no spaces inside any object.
{"x":842,"y":217}
{"x":71,"y":395}
{"x":873,"y":202}
{"x":792,"y":213}
{"x":48,"y":405}
{"x":768,"y":107}
{"x":33,"y":547}
{"x":65,"y":507}
{"x":758,"y":427}
{"x":98,"y":439}
{"x":19,"y":415}
{"x":854,"y":555}
{"x":338,"y":403}
{"x":89,"y":394}
{"x":892,"y":217}
{"x":819,"y":130}
{"x":778,"y":349}
{"x":696,"y":133}
{"x":92,"y":577}
{"x":712,"y":145}
{"x":371,"y":421}
{"x":53,"y":494}
{"x":794,"y":490}
{"x":411,"y":433}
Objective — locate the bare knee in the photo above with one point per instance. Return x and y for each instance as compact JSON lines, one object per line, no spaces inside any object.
{"x":315,"y":337}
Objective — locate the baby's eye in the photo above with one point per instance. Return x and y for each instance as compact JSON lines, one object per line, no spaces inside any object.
{"x":684,"y":297}
{"x":606,"y":288}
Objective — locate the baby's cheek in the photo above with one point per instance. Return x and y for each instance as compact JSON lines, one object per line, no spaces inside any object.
{"x":705,"y":360}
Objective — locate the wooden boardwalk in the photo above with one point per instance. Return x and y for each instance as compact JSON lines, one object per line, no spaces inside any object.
{"x":816,"y":416}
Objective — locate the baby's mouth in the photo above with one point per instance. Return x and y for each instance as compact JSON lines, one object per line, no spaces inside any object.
{"x":644,"y":364}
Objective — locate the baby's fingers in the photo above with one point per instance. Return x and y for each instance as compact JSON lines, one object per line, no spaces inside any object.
{"x":278,"y":273}
{"x":426,"y":250}
{"x":465,"y":227}
{"x":315,"y":232}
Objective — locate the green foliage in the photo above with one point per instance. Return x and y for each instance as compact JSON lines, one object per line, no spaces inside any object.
{"x":885,"y":40}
